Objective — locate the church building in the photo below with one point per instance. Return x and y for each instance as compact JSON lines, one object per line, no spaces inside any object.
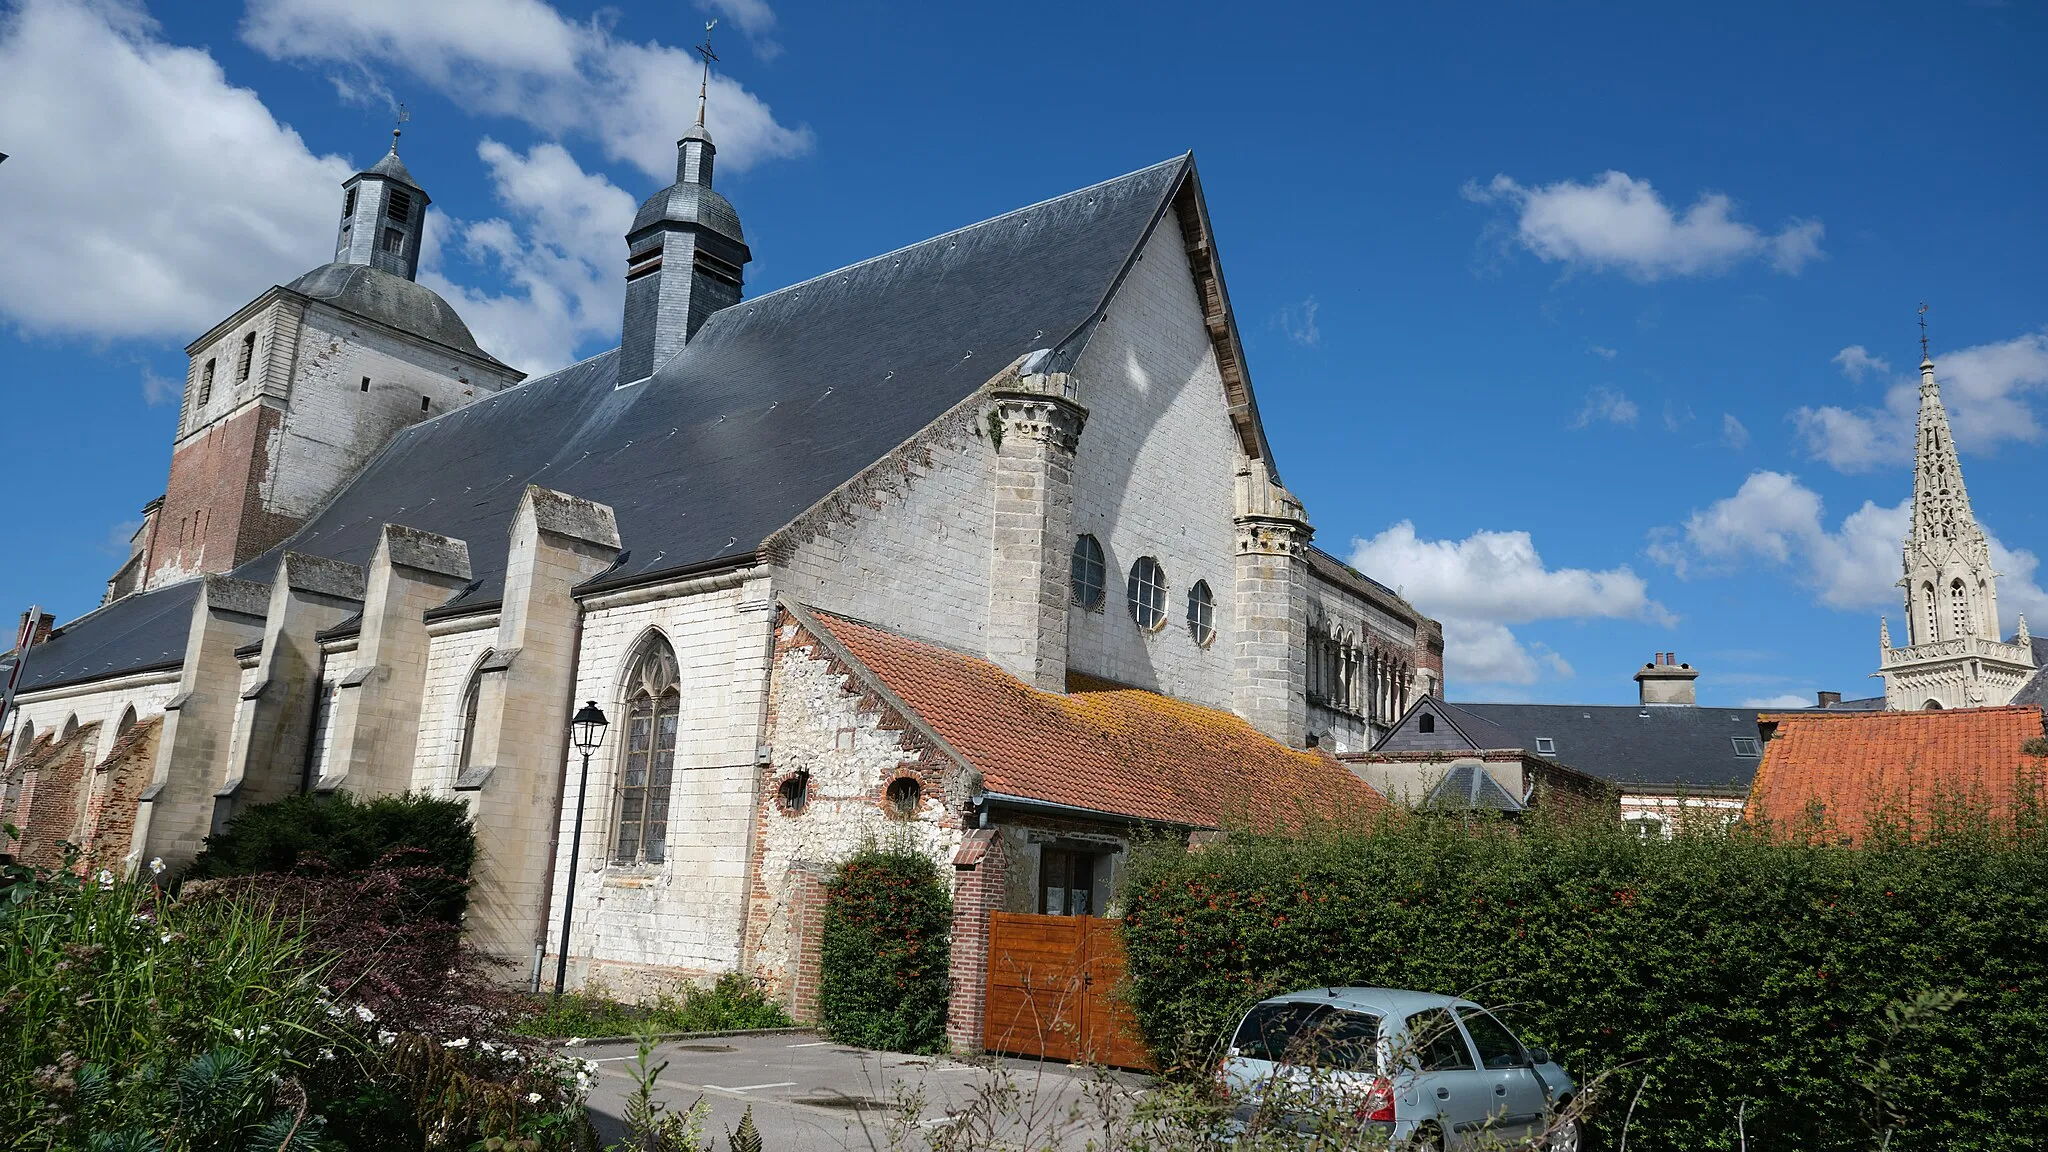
{"x":976,"y":545}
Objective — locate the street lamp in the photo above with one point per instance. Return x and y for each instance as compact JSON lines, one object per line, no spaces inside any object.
{"x":586,"y":731}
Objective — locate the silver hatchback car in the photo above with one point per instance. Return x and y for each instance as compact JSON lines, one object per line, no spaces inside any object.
{"x":1412,"y":1069}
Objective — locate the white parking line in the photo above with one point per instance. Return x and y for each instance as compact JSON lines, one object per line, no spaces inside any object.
{"x":812,"y":1044}
{"x":751,"y":1087}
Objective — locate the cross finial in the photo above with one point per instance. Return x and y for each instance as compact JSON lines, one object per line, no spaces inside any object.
{"x":1923,"y":332}
{"x":704,"y":84}
{"x":401,"y":117}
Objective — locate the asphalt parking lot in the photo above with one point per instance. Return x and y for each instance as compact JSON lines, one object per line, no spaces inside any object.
{"x":808,"y":1092}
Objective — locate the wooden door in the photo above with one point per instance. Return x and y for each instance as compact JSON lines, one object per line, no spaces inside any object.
{"x":1052,"y":984}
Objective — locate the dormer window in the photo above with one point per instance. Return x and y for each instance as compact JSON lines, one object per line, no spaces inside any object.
{"x":398,"y":206}
{"x":1546,"y":746}
{"x":1425,"y":723}
{"x":1744,"y":745}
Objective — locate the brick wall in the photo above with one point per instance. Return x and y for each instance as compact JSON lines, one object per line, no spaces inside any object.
{"x":53,"y":796}
{"x":109,"y":826}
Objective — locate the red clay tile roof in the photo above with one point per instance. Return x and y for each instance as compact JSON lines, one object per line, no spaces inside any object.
{"x":1118,"y":750}
{"x":1846,"y":767}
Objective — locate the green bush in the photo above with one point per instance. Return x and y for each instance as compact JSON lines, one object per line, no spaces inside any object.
{"x":884,"y":963}
{"x":344,"y":834}
{"x":128,"y":1017}
{"x":734,"y":1003}
{"x":1832,"y":997}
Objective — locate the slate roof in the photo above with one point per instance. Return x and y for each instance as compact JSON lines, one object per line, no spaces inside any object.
{"x":1847,"y":768}
{"x":1114,"y":750}
{"x":2035,"y":691}
{"x":390,"y":165}
{"x":774,"y":403}
{"x":391,"y":300}
{"x":1659,"y":747}
{"x":1467,"y":786}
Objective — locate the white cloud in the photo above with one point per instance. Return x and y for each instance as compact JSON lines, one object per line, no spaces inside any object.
{"x":1856,"y":362}
{"x":1854,"y":567}
{"x":146,"y":195}
{"x":1988,"y":391}
{"x":559,"y":251}
{"x":754,"y":19}
{"x":1782,"y":700}
{"x":1606,"y":406}
{"x":1618,"y":222}
{"x":1480,"y":585}
{"x":1602,"y":352}
{"x":1733,"y":434}
{"x":160,"y":390}
{"x":523,"y":59}
{"x":1299,"y":323}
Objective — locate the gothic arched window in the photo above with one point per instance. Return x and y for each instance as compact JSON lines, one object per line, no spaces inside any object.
{"x":470,"y":696}
{"x":652,"y":704}
{"x":1959,"y":608}
{"x":127,"y":721}
{"x":1933,"y":631}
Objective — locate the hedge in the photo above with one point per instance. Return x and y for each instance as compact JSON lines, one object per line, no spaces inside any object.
{"x":342,"y":834}
{"x":885,"y":957}
{"x":1803,"y":987}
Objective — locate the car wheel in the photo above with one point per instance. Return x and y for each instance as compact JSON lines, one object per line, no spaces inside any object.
{"x":1425,"y":1138}
{"x":1564,"y":1137}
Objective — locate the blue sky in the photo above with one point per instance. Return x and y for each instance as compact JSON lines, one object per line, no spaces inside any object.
{"x":1584,"y":327}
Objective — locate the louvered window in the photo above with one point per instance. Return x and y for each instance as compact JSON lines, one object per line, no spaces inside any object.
{"x":398,"y":206}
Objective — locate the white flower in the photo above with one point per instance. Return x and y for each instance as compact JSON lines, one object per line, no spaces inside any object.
{"x":237,"y":1032}
{"x":327,"y":1053}
{"x":364,"y":1014}
{"x":462,"y":1042}
{"x":106,"y":878}
{"x":164,"y":939}
{"x":387,"y":1038}
{"x":156,"y":866}
{"x":573,"y":1042}
{"x":533,"y":1097}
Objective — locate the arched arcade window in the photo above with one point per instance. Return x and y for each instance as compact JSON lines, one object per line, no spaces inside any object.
{"x":471,"y":694}
{"x":651,"y":706}
{"x":1959,"y":608}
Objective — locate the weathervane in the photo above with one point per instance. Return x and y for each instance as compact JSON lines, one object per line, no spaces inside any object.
{"x":402,"y":117}
{"x":704,"y":84}
{"x":1923,"y":331}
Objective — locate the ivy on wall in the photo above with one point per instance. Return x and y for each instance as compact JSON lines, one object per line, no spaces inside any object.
{"x":885,"y":955}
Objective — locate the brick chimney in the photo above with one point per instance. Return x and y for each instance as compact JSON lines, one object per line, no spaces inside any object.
{"x":1665,"y":681}
{"x":44,"y":622}
{"x":1829,"y":699}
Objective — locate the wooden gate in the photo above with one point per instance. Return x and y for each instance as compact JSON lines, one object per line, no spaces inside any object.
{"x":1051,"y":991}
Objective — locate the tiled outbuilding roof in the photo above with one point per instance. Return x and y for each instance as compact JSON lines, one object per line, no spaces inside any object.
{"x":1113,"y":750}
{"x":1847,"y":769}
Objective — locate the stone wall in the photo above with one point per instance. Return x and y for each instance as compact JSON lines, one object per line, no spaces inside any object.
{"x":1154,"y":477}
{"x":641,"y":927}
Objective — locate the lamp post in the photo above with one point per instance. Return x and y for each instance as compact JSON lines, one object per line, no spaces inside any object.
{"x":586,"y":731}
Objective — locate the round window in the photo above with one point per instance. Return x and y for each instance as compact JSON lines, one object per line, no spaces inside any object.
{"x":1146,"y":592}
{"x":902,"y":797}
{"x":1202,"y":613}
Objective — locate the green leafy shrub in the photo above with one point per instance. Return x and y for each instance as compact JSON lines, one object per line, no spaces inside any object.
{"x":734,"y":1003}
{"x":340,"y":833}
{"x":885,"y":955}
{"x":128,"y":1017}
{"x":1832,"y":997}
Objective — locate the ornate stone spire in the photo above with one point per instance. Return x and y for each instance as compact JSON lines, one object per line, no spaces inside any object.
{"x":1884,"y":632}
{"x":1941,"y":504}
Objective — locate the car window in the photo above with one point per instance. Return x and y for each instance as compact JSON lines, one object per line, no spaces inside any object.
{"x":1270,"y":1030}
{"x":1434,"y":1042}
{"x":1340,"y":1041}
{"x":1497,"y":1046}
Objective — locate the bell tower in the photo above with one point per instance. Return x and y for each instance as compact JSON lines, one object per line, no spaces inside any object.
{"x":382,"y":213}
{"x":1955,"y":656}
{"x":685,"y":255}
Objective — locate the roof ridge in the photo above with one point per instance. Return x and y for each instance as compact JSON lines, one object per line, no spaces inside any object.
{"x":999,"y":217}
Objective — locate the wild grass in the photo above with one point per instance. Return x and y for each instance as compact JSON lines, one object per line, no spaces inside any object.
{"x":734,"y":1003}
